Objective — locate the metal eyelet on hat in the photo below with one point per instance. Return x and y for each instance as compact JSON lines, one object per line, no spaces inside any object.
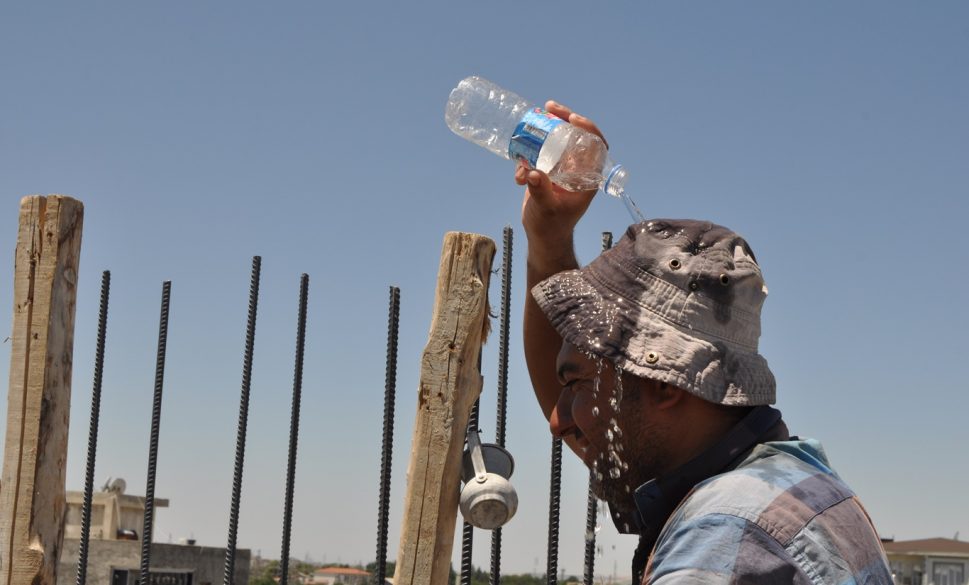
{"x":724,"y":279}
{"x":675,"y":264}
{"x":694,"y":285}
{"x":652,"y":357}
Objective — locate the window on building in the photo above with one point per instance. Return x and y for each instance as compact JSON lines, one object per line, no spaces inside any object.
{"x":949,"y":574}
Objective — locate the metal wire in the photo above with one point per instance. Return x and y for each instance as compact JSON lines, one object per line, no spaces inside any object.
{"x":304,"y":283}
{"x":502,"y":382}
{"x":230,"y":550}
{"x":155,"y":425}
{"x":386,"y":453}
{"x":92,"y":440}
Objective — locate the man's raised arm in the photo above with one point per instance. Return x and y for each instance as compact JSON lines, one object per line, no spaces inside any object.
{"x":549,"y":216}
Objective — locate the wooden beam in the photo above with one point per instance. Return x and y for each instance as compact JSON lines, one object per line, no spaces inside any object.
{"x":450,"y":383}
{"x":39,"y":395}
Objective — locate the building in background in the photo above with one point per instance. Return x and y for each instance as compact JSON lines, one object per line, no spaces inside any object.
{"x":114,"y":548}
{"x":930,"y":561}
{"x":344,"y":575}
{"x":115,"y":515}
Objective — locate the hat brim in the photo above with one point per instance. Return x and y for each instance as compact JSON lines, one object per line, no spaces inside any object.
{"x":600,"y":321}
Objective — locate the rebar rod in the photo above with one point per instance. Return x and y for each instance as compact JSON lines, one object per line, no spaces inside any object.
{"x":590,"y":516}
{"x":590,"y":535}
{"x":503,"y":337}
{"x":228,"y":575}
{"x":502,"y":382}
{"x":304,"y":283}
{"x":555,"y":489}
{"x":386,"y":451}
{"x":146,"y":533}
{"x":92,"y":440}
{"x":467,"y":530}
{"x":467,"y":545}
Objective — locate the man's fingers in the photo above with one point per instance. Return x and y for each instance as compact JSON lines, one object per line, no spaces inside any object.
{"x":539,"y":185}
{"x":558,"y":109}
{"x":588,"y":125}
{"x":571,"y":117}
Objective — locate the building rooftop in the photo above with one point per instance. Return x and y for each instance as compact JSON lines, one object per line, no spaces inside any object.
{"x":340,"y":571}
{"x":929,"y":546}
{"x":124,"y":500}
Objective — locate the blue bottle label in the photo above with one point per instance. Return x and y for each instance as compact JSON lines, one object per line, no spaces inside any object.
{"x":530,"y":135}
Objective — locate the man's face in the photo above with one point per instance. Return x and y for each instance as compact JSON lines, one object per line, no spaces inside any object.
{"x":606,"y":419}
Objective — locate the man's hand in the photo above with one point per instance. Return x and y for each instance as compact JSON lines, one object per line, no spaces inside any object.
{"x":549,"y":212}
{"x":549,"y":216}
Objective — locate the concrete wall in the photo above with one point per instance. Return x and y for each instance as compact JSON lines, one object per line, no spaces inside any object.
{"x":205,"y":563}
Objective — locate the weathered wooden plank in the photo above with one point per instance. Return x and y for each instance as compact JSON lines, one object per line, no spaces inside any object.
{"x":39,"y":392}
{"x":450,"y":383}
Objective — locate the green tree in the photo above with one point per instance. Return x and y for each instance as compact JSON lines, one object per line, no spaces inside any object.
{"x":389,"y":568}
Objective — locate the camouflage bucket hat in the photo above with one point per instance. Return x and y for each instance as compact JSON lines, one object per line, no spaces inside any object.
{"x":677,"y":301}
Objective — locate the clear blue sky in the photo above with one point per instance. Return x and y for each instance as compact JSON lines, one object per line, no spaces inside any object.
{"x":834,"y":136}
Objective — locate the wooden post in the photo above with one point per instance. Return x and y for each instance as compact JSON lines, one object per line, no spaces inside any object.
{"x":450,"y":383}
{"x":39,"y":395}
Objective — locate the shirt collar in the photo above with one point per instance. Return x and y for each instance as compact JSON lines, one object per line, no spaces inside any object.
{"x":656,"y":499}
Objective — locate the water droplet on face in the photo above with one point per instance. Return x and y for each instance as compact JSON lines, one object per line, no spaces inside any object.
{"x":609,"y":436}
{"x":596,"y":381}
{"x":614,"y":456}
{"x":618,"y":386}
{"x":614,"y":473}
{"x":599,"y":476}
{"x":614,"y":403}
{"x":595,"y":411}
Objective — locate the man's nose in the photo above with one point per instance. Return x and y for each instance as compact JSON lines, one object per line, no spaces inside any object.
{"x":561,"y":422}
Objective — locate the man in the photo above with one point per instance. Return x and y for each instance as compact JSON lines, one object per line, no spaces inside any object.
{"x":645,"y":363}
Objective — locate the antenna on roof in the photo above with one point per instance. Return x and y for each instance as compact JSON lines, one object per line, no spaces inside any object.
{"x":117,"y":486}
{"x":956,"y":537}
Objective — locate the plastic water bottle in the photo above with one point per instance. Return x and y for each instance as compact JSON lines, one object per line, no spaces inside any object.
{"x":511,"y":127}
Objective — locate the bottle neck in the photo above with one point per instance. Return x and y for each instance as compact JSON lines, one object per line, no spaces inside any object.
{"x":615,"y":183}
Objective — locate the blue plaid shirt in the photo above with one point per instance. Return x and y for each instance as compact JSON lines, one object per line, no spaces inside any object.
{"x":782,"y":515}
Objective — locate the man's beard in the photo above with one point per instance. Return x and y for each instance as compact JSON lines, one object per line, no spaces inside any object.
{"x":646,"y":455}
